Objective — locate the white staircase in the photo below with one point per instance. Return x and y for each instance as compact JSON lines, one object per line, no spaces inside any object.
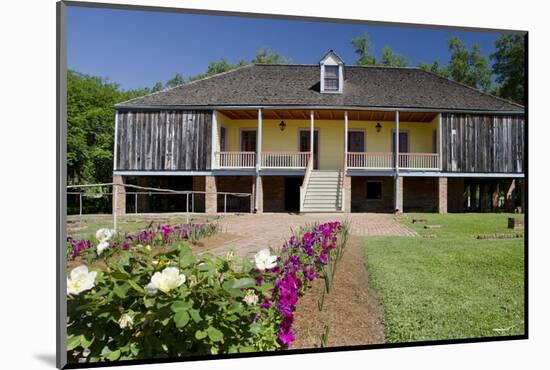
{"x":323,"y":192}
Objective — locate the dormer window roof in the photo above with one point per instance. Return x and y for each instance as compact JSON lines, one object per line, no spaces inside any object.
{"x":332,"y":73}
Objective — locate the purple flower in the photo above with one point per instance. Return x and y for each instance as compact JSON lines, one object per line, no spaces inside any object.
{"x":287,"y":337}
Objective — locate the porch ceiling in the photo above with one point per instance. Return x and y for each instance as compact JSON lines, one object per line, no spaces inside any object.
{"x":327,"y":114}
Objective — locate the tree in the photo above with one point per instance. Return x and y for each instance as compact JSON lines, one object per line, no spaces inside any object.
{"x":509,"y":67}
{"x":218,"y":67}
{"x":362,"y":49}
{"x":90,"y":126}
{"x":265,"y":56}
{"x":175,"y":81}
{"x":390,"y":59}
{"x":157,"y":87}
{"x":434,"y":68}
{"x":469,"y":66}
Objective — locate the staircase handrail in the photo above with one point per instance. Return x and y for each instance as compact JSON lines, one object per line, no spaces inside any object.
{"x":303,"y":187}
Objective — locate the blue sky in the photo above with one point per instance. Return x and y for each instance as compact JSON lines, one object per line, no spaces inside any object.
{"x":138,"y":48}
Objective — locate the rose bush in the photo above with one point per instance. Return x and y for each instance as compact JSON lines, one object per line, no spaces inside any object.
{"x":151,"y":304}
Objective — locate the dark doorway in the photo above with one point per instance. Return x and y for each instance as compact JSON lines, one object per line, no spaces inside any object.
{"x":292,"y":194}
{"x":356,"y":141}
{"x":248,"y":140}
{"x":304,"y":145}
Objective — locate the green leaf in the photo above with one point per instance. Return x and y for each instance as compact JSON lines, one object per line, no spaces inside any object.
{"x":149,"y":302}
{"x":136,"y":287}
{"x":214,"y":334}
{"x":236,"y":307}
{"x":195,"y":315}
{"x":180,"y":306}
{"x":200,"y":334}
{"x":134,"y":348}
{"x":113,"y":356}
{"x":231,"y":318}
{"x":73,"y":341}
{"x":120,"y":290}
{"x":243,"y":283}
{"x":85,"y":343}
{"x":265,"y":287}
{"x":255,"y":328}
{"x":181,"y":318}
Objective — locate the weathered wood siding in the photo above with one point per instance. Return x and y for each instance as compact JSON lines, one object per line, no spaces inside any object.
{"x":164,"y":140}
{"x":482,"y":143}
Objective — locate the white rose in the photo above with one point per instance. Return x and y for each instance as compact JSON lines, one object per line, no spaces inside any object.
{"x":125,"y":321}
{"x":250,"y":298}
{"x":170,"y":278}
{"x":103,"y":235}
{"x":264,"y":260}
{"x":101,"y":247}
{"x":80,"y":280}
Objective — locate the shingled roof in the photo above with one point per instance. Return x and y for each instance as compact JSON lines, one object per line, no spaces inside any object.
{"x":298,"y":85}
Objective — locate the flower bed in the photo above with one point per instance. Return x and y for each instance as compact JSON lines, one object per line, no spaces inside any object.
{"x":173,"y":303}
{"x":162,"y":235}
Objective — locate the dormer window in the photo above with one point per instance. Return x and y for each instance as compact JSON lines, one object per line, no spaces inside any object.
{"x":331,"y":78}
{"x":332,"y":73}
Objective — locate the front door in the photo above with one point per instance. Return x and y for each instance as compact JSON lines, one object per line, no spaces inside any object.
{"x":356,"y":141}
{"x":305,"y":147}
{"x":248,"y":140}
{"x":403,"y":147}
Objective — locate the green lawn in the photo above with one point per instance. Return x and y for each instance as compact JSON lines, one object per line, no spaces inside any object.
{"x":446,"y":284}
{"x":87,"y":225}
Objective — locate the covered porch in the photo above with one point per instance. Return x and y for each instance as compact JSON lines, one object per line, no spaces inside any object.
{"x":349,"y":140}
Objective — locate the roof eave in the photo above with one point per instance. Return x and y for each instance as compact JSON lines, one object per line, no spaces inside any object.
{"x":301,"y":106}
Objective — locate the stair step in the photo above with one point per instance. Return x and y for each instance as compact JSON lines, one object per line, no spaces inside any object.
{"x":320,"y":210}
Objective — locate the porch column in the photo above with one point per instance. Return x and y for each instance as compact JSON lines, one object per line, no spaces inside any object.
{"x":119,"y":196}
{"x":442,"y":194}
{"x":440,"y":142}
{"x":398,"y":195}
{"x":398,"y":186}
{"x":215,"y":145}
{"x":211,"y":197}
{"x":257,"y":194}
{"x":347,"y":194}
{"x":396,"y":149}
{"x":345,"y":140}
{"x":311,"y":128}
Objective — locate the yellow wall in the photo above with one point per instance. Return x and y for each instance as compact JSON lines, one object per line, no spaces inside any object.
{"x":331,"y":136}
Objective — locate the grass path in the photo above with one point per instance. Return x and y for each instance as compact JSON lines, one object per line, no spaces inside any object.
{"x":446,"y":284}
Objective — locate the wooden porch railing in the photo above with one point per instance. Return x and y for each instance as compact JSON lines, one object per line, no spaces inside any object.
{"x":385,"y":161}
{"x":419,"y":161}
{"x":370,"y":160}
{"x":284,"y":159}
{"x":236,"y":159}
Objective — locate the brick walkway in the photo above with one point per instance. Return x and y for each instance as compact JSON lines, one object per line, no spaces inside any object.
{"x":272,"y":229}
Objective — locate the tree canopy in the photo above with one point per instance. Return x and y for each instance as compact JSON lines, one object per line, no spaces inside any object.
{"x":266,"y":56}
{"x":389,"y":58}
{"x":90,"y":126}
{"x":508,"y":67}
{"x":469,"y":66}
{"x":362,"y":49}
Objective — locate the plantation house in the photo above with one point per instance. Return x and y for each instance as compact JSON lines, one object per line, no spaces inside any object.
{"x":322,"y":138}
